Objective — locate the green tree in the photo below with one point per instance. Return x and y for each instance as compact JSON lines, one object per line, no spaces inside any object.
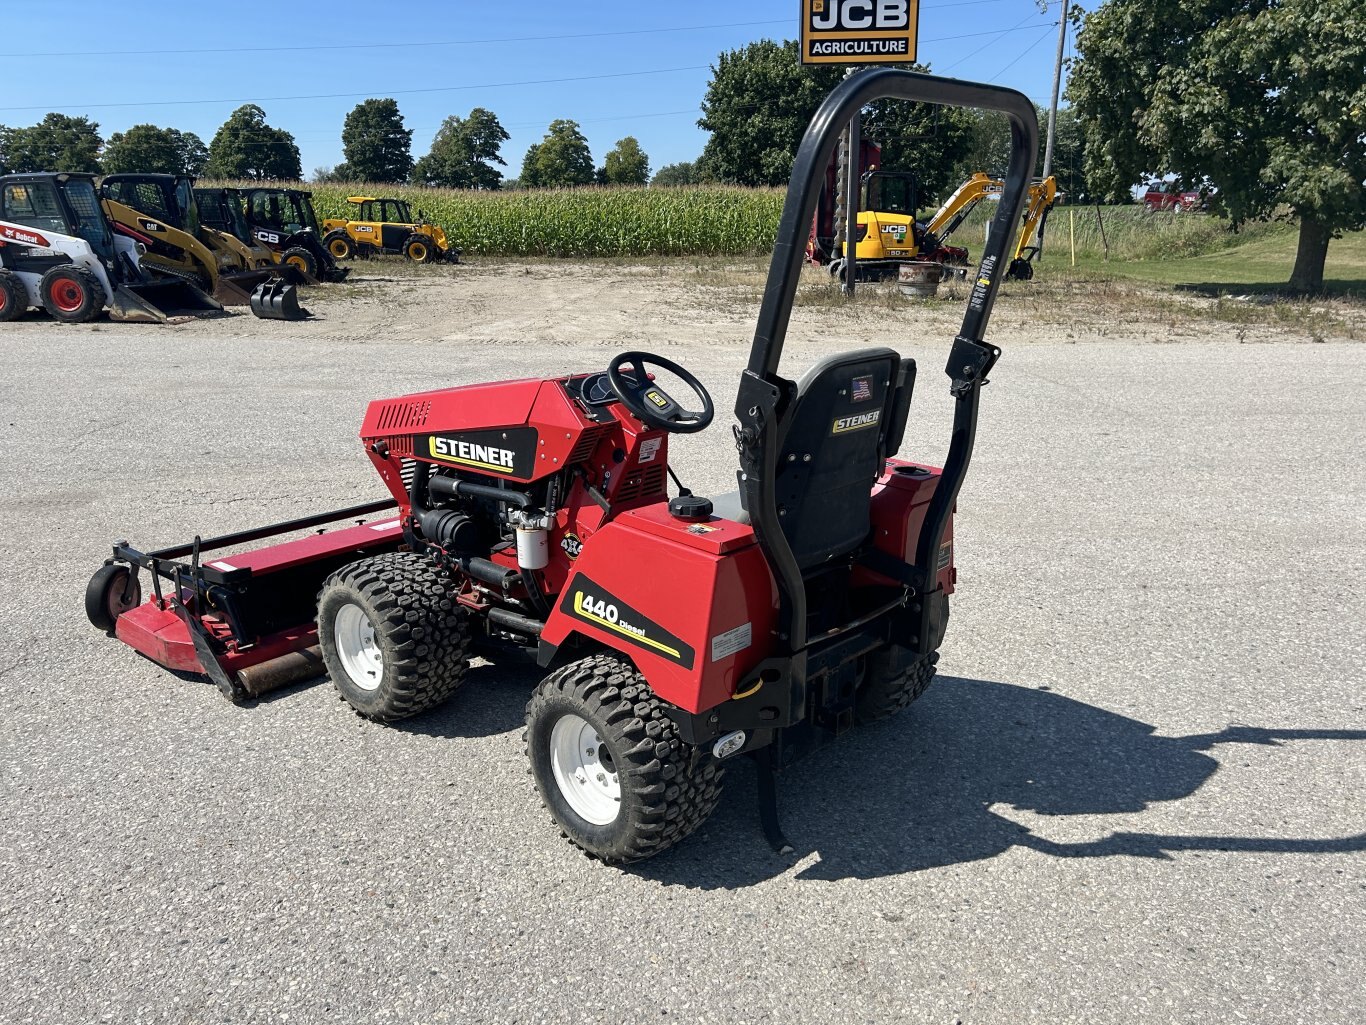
{"x":989,"y":149}
{"x":463,"y":153}
{"x":685,"y":172}
{"x":247,"y":147}
{"x":154,"y":150}
{"x":377,"y":146}
{"x":1264,"y":99}
{"x":626,"y":164}
{"x":927,"y":139}
{"x":56,"y":143}
{"x":761,"y":99}
{"x":757,"y":105}
{"x":560,"y":160}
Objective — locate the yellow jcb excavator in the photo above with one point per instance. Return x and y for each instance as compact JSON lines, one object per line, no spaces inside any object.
{"x":889,"y":235}
{"x":162,"y":209}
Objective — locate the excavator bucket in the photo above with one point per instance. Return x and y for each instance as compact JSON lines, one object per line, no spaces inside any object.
{"x":158,"y":302}
{"x":277,"y":300}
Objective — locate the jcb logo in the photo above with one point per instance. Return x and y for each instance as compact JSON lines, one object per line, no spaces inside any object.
{"x":859,"y":15}
{"x":268,"y":237}
{"x":859,"y":31}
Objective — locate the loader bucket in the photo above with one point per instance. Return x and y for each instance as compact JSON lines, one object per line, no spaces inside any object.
{"x":277,"y":300}
{"x":235,"y":289}
{"x":157,"y":302}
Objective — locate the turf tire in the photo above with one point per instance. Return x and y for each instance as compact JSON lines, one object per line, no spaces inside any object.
{"x":668,"y":787}
{"x":895,"y":676}
{"x":301,"y":259}
{"x":422,"y":635}
{"x":72,"y":294}
{"x":13,"y":297}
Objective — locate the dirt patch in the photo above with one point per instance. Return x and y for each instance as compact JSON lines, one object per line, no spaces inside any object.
{"x":655,"y":304}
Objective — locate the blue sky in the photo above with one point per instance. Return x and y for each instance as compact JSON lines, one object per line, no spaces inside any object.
{"x":443,"y":58}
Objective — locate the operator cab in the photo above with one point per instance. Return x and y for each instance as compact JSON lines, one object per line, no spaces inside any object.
{"x":64,"y":203}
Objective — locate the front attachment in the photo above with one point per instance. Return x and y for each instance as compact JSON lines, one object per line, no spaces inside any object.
{"x":277,"y":300}
{"x":157,"y":302}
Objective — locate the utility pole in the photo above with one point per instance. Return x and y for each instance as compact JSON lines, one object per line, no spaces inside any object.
{"x":1057,"y":83}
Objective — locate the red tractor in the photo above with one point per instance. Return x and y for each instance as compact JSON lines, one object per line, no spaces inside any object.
{"x":532,"y":518}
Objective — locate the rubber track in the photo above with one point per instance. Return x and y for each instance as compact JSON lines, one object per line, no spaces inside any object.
{"x":680,"y":784}
{"x":430,"y":632}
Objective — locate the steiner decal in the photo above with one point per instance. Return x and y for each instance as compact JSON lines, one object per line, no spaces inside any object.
{"x":509,"y":453}
{"x":589,"y":603}
{"x":856,"y":422}
{"x":859,"y":31}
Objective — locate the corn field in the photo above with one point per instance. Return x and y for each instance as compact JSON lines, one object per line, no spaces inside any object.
{"x":727,"y":221}
{"x":606,"y":221}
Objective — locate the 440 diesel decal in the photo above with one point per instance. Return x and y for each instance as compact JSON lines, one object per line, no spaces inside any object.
{"x":590,"y":603}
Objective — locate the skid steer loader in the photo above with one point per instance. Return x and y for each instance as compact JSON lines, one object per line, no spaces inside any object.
{"x":59,"y":253}
{"x":282,"y":221}
{"x":163,"y":208}
{"x":386,"y":226}
{"x":531,"y":519}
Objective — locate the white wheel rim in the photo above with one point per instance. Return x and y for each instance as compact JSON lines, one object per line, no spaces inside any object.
{"x":358,"y":647}
{"x":584,"y":770}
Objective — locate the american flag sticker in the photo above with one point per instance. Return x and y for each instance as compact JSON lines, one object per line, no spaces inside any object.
{"x":863,"y":389}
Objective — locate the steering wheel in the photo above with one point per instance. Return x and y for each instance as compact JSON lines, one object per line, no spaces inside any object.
{"x":652,"y":404}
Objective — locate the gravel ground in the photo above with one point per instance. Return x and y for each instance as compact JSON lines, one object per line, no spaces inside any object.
{"x":1133,"y":795}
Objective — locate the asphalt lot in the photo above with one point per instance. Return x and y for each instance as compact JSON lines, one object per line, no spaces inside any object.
{"x":1135,"y":794}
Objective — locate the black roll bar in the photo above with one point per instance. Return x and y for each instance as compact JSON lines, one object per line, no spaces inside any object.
{"x":764,"y":396}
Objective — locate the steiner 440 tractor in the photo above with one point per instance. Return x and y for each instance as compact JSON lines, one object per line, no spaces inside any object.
{"x":532,"y":517}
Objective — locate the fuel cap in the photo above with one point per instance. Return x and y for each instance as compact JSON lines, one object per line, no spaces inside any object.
{"x":690,"y":507}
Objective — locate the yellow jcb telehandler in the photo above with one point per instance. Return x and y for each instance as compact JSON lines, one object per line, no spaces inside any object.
{"x":386,"y":226}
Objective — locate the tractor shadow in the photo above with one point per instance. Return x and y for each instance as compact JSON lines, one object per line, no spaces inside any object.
{"x":492,"y":700}
{"x":916,"y":792}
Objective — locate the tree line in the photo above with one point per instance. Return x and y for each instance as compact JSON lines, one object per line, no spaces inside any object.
{"x":1264,"y":108}
{"x":465,"y":154}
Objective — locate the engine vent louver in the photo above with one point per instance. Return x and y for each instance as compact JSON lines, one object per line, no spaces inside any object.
{"x":404,"y":414}
{"x":646,"y":483}
{"x":400,"y":445}
{"x":586,"y":444}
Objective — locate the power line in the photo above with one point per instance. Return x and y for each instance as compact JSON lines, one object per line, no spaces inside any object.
{"x":467,"y":42}
{"x":1048,"y":29}
{"x":986,"y":46}
{"x":372,"y":92}
{"x":461,"y":88}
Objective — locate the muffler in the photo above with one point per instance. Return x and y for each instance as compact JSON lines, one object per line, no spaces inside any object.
{"x":277,"y":300}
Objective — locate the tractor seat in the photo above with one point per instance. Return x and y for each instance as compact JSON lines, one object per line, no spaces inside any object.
{"x":848,"y":417}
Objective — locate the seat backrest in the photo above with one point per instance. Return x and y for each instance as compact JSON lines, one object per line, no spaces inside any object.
{"x":847,"y":418}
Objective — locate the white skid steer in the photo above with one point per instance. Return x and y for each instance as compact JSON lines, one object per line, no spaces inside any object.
{"x":59,"y":253}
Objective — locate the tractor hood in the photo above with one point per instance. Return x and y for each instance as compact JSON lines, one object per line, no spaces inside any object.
{"x":504,"y":403}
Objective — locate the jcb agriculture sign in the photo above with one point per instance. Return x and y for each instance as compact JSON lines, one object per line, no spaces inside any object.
{"x":859,"y":31}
